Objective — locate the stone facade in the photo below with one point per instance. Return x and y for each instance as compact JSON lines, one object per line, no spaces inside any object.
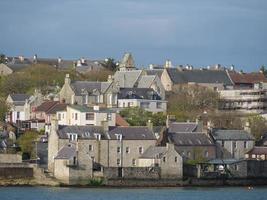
{"x":10,"y":158}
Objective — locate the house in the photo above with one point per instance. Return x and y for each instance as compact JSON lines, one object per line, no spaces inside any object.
{"x":145,"y":98}
{"x":17,"y":104}
{"x":41,"y":112}
{"x":89,"y":93}
{"x":165,"y":157}
{"x":257,"y":153}
{"x":185,"y":127}
{"x":214,"y":79}
{"x":232,"y":143}
{"x":83,"y":115}
{"x":84,"y":65}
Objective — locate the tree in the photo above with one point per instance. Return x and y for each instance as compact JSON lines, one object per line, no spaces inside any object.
{"x":190,"y":101}
{"x":4,"y":108}
{"x":263,"y":70}
{"x":258,"y":126}
{"x":136,"y":116}
{"x":27,"y":143}
{"x":2,"y":58}
{"x":110,"y":64}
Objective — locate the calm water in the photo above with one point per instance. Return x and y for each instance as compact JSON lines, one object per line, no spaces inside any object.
{"x":43,"y":193}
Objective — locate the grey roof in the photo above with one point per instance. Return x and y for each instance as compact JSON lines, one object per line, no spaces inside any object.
{"x":89,"y":65}
{"x":192,"y":139}
{"x":223,"y":161}
{"x":127,"y":79}
{"x":132,"y":133}
{"x":221,"y":134}
{"x":183,"y":127}
{"x":89,"y":86}
{"x":154,"y":72}
{"x":138,"y":93}
{"x":154,"y":152}
{"x":199,"y":76}
{"x":19,"y":97}
{"x":66,"y":152}
{"x":83,"y":132}
{"x":146,"y":81}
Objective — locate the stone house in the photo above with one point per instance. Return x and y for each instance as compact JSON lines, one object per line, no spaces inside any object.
{"x":232,"y":143}
{"x":89,"y":93}
{"x":41,"y":112}
{"x":214,"y":79}
{"x":145,"y":98}
{"x":257,"y":153}
{"x":165,"y":157}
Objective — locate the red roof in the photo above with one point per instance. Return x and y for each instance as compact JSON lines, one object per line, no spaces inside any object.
{"x":247,"y":78}
{"x":45,"y":106}
{"x":120,"y":121}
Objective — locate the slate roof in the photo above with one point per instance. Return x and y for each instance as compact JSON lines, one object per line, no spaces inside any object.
{"x":154,"y":72}
{"x":146,"y":81}
{"x":221,"y":134}
{"x":198,"y":76}
{"x":66,"y":152}
{"x":138,"y":93}
{"x":89,"y":86}
{"x":132,"y":133}
{"x":247,"y":78}
{"x":258,"y":151}
{"x":127,"y":79}
{"x":46,"y":106}
{"x":56,"y":108}
{"x":19,"y":97}
{"x":154,"y":152}
{"x":83,"y":132}
{"x":184,"y":127}
{"x":192,"y":139}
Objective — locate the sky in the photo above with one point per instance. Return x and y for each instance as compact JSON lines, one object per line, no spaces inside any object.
{"x":196,"y":32}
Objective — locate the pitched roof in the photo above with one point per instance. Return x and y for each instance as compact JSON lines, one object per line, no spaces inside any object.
{"x":57,"y":107}
{"x":258,"y":151}
{"x":221,"y":134}
{"x":127,"y":79}
{"x":66,"y":152}
{"x":120,"y":121}
{"x":190,"y":139}
{"x":198,"y":76}
{"x":84,"y":108}
{"x":138,"y":93}
{"x":46,"y":106}
{"x":146,"y":81}
{"x":184,"y":127}
{"x":154,"y":152}
{"x":19,"y":97}
{"x":154,"y":72}
{"x":247,"y":78}
{"x":83,"y":132}
{"x":89,"y":86}
{"x":132,"y":133}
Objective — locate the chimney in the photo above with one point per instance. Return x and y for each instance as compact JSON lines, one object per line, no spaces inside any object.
{"x":59,"y":60}
{"x":209,"y":125}
{"x":247,"y":127}
{"x":54,"y":125}
{"x":149,"y":125}
{"x":82,"y":60}
{"x":232,"y":68}
{"x":168,"y":64}
{"x":21,"y":58}
{"x":67,"y":79}
{"x":35,"y":58}
{"x":170,"y":146}
{"x":151,"y":66}
{"x":105,"y":125}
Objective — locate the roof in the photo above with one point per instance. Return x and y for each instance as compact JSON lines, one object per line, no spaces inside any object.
{"x":19,"y":97}
{"x":192,"y":139}
{"x":146,"y":81}
{"x":154,"y":72}
{"x":46,"y":106}
{"x":223,"y":161}
{"x":66,"y":152}
{"x":56,"y":108}
{"x":221,"y":134}
{"x":258,"y":151}
{"x":138,"y":93}
{"x":83,"y":132}
{"x":154,"y":152}
{"x":247,"y":78}
{"x":132,"y":133}
{"x":91,"y":87}
{"x":120,"y":121}
{"x":183,"y":127}
{"x":127,"y":79}
{"x":83,"y":108}
{"x":199,"y":76}
{"x":127,"y":61}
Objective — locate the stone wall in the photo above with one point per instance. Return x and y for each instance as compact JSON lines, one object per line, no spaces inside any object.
{"x":10,"y":158}
{"x":15,"y":171}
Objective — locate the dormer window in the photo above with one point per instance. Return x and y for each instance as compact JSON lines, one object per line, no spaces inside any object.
{"x":72,"y":136}
{"x":118,"y":137}
{"x":98,"y":136}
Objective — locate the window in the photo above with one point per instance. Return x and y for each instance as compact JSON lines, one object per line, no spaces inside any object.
{"x":234,"y":144}
{"x":98,"y":136}
{"x":175,"y":159}
{"x":159,"y":105}
{"x":164,"y":159}
{"x":236,"y":167}
{"x":109,"y":116}
{"x":59,"y":116}
{"x":134,"y":162}
{"x":140,"y":150}
{"x":129,"y":104}
{"x":144,"y":104}
{"x":245,"y":145}
{"x":118,"y":150}
{"x":222,"y":143}
{"x":206,"y":154}
{"x":253,"y":156}
{"x":127,"y":150}
{"x":18,"y":115}
{"x":118,"y":161}
{"x":74,"y":160}
{"x":188,"y":154}
{"x":91,"y":147}
{"x":73,"y":136}
{"x":76,"y":116}
{"x":93,"y":158}
{"x":89,"y":116}
{"x":119,"y":136}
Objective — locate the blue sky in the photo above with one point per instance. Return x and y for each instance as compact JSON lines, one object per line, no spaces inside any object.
{"x":197,"y":32}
